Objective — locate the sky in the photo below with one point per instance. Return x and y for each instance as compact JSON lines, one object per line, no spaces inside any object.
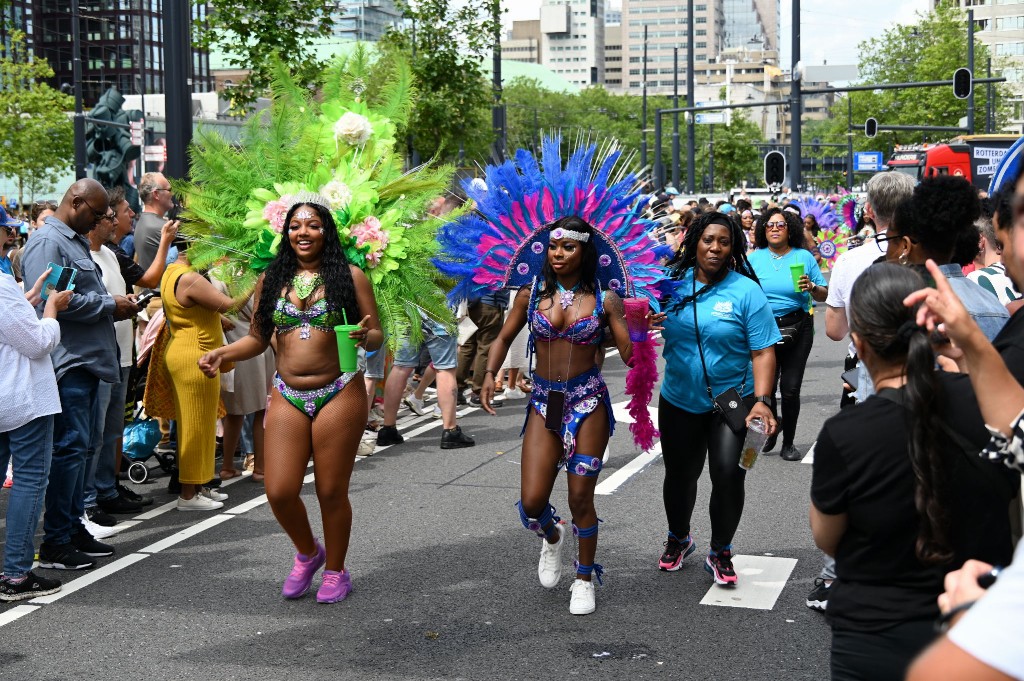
{"x":830,"y":31}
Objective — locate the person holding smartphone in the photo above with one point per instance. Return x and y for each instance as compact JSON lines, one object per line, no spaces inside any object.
{"x":719,"y":337}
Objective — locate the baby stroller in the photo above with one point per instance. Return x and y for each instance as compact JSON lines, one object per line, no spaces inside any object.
{"x":142,"y":433}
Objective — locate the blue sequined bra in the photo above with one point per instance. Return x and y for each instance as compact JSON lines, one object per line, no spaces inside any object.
{"x":583,"y":331}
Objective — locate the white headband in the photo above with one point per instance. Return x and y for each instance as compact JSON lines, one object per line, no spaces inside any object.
{"x":560,"y":233}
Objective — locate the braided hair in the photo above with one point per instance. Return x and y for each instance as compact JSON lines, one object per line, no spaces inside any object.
{"x":879,"y":317}
{"x":339,"y":288}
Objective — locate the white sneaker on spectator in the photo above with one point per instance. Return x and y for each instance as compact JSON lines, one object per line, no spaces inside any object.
{"x":198,"y":503}
{"x":98,"y":531}
{"x":212,"y":494}
{"x":437,"y":412}
{"x":514,"y":394}
{"x":366,"y":447}
{"x":429,"y":391}
{"x":416,"y":405}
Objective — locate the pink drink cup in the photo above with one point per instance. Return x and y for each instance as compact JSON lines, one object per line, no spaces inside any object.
{"x":636,"y":318}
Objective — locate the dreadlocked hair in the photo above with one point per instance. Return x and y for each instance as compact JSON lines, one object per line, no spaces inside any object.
{"x":588,"y":267}
{"x":686,"y":257}
{"x":879,"y":317}
{"x":339,"y":288}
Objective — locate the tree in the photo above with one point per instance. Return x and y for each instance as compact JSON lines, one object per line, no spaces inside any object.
{"x":38,"y":136}
{"x":446,"y":43}
{"x":249,"y":32}
{"x":931,"y":49}
{"x":736,"y":155}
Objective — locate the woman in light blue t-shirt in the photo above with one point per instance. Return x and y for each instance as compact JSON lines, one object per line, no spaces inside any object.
{"x":733,"y":337}
{"x":779,"y":238}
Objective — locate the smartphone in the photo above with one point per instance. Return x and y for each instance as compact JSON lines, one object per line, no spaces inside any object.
{"x":555,"y":410}
{"x":59,"y":279}
{"x":143,"y":300}
{"x":850,"y":378}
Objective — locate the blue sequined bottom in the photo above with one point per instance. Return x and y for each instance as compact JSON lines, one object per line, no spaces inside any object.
{"x":582,"y":395}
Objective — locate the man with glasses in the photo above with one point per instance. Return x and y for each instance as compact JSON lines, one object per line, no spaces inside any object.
{"x":87,"y":354}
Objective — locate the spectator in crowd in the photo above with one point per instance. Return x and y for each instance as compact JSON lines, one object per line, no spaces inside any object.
{"x":487,"y":314}
{"x":780,"y":246}
{"x":308,"y":289}
{"x":87,"y":355}
{"x":9,"y":227}
{"x":719,"y":336}
{"x":899,"y":496}
{"x":928,"y":226}
{"x":26,"y":426}
{"x":991,"y":272}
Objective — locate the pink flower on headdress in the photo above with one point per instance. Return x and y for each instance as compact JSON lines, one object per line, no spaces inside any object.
{"x":369,"y":233}
{"x":274,"y":213}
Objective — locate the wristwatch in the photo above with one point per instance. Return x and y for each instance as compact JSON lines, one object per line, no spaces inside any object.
{"x":763,"y":398}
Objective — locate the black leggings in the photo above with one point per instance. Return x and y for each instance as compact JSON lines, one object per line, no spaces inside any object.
{"x":879,"y":655}
{"x":685,"y":441}
{"x":790,"y":362}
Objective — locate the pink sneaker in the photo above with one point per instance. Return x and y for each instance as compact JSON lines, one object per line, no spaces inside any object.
{"x":336,"y":586}
{"x":301,"y":577}
{"x":8,"y":483}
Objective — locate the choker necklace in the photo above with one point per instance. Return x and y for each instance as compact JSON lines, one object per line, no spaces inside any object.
{"x":566,"y":296}
{"x":304,"y":287}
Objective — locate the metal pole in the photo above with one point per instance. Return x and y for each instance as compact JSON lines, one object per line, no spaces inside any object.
{"x":659,"y":180}
{"x":711,"y":159}
{"x":178,"y":95}
{"x":499,"y":111}
{"x":849,"y":142}
{"x":795,"y":104}
{"x":141,"y":164}
{"x":970,"y":67}
{"x":990,"y":111}
{"x":691,"y":132}
{"x":675,"y":118}
{"x":76,"y":67}
{"x":643,"y":127}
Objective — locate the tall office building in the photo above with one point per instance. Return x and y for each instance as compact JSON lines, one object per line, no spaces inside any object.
{"x":364,"y":19}
{"x":613,"y":57}
{"x":573,"y":39}
{"x":122,"y":44}
{"x":751,"y":24}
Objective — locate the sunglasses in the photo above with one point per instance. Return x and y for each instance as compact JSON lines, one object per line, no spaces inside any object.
{"x":776,"y":226}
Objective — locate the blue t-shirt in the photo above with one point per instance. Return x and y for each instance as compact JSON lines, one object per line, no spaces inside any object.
{"x":5,"y":265}
{"x":735,"y":319}
{"x":777,"y":282}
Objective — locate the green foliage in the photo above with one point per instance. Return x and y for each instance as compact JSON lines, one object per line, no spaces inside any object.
{"x":931,"y":49}
{"x":250,"y":32}
{"x":446,"y":43}
{"x":37,"y":134}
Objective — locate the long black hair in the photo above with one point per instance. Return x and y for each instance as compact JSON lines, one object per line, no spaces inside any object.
{"x":588,"y":267}
{"x":339,"y":288}
{"x":686,"y":257}
{"x":794,"y":228}
{"x":879,"y":317}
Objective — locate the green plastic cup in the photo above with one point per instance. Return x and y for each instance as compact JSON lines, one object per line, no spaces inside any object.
{"x":796,"y":271}
{"x":348,"y":353}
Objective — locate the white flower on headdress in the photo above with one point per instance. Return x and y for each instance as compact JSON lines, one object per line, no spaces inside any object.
{"x":353,"y":128}
{"x":337,"y":193}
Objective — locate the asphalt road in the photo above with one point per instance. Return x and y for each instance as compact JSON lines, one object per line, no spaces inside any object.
{"x":444,"y":578}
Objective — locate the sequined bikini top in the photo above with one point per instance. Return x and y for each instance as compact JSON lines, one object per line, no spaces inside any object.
{"x":288,"y":317}
{"x":583,"y":331}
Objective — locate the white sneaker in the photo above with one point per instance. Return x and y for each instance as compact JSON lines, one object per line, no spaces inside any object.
{"x":416,"y":405}
{"x":549,"y":570}
{"x":581,"y":599}
{"x":377,"y":414}
{"x":98,"y":531}
{"x":514,"y":394}
{"x":366,"y":448}
{"x":437,"y":412}
{"x":430,"y":391}
{"x":198,"y":503}
{"x":213,"y":494}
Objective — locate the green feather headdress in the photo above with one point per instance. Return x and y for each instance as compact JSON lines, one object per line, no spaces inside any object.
{"x":343,"y":147}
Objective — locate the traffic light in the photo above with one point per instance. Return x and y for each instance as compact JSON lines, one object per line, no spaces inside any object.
{"x":963,"y":83}
{"x":871,"y":127}
{"x":774,"y":168}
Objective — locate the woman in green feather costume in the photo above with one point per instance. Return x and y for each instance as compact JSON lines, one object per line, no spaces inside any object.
{"x":313,"y":212}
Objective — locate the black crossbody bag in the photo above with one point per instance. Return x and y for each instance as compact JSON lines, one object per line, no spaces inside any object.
{"x":729,"y":404}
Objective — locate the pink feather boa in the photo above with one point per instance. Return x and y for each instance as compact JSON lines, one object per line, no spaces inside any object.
{"x":640,"y":380}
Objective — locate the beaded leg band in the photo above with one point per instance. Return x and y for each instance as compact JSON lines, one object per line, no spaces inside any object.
{"x":584,"y":465}
{"x":587,"y":570}
{"x":544,"y":526}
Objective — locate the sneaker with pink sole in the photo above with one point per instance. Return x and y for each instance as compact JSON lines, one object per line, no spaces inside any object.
{"x":335,"y":587}
{"x":301,"y":578}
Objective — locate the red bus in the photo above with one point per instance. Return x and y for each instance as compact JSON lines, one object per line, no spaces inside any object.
{"x":973,"y":157}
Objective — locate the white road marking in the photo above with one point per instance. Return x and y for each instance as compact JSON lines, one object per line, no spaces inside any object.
{"x":761,"y":580}
{"x":189,"y":531}
{"x":90,"y":578}
{"x":809,"y":457}
{"x":619,"y":477}
{"x":14,"y":613}
{"x":247,"y":506}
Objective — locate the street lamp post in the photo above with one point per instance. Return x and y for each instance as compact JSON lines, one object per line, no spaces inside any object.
{"x":796,"y":103}
{"x":970,"y":67}
{"x":849,"y":142}
{"x":675,"y":118}
{"x":643,"y":130}
{"x":76,"y":68}
{"x":691,"y":133}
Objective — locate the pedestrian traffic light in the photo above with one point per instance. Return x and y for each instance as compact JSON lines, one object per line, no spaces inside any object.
{"x":774,"y":168}
{"x":871,"y":127}
{"x":962,"y":83}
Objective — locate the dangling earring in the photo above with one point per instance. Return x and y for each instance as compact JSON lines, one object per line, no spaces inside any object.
{"x":903,"y":258}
